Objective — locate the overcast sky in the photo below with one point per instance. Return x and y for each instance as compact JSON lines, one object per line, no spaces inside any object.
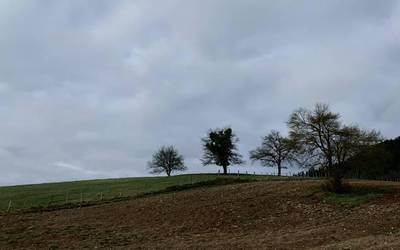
{"x":90,"y":89}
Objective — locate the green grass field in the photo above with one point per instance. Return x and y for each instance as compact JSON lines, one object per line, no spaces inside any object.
{"x":43,"y":195}
{"x":355,"y":196}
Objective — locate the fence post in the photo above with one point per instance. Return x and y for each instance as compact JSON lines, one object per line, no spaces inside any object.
{"x":9,"y":206}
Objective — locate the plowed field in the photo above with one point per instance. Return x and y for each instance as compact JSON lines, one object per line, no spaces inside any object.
{"x":260,"y":215}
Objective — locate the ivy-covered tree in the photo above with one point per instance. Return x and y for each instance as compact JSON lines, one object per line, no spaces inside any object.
{"x":220,"y":149}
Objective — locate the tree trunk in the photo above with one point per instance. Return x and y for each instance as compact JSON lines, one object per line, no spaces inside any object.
{"x":279,"y":170}
{"x":337,"y":184}
{"x":335,"y":180}
{"x":225,"y":169}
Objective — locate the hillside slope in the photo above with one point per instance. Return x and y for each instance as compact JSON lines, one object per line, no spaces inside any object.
{"x":47,"y":194}
{"x":266,"y":215}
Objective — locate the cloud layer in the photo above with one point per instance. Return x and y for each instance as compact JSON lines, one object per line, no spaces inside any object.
{"x":89,"y":89}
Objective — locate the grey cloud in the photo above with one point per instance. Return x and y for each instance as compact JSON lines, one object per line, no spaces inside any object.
{"x":99,"y":85}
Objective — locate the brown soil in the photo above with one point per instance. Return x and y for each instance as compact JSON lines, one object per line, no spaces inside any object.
{"x":262,"y":215}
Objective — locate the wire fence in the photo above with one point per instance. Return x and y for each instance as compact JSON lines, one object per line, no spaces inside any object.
{"x":57,"y":195}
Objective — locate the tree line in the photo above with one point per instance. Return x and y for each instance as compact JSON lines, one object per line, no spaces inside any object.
{"x":317,"y":140}
{"x":380,"y":161}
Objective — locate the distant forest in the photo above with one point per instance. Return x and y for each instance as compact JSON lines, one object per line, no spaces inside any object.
{"x":380,"y":161}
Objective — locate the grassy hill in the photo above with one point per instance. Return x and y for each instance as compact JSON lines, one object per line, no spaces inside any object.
{"x":43,"y":195}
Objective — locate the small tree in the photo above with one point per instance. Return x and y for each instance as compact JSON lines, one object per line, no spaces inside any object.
{"x":220,"y":149}
{"x":166,"y":159}
{"x":274,"y":151}
{"x":324,"y":142}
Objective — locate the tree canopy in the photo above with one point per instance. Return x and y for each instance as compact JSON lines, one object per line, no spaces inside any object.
{"x":220,"y":149}
{"x":323,"y":141}
{"x":167,"y":159}
{"x":274,"y":151}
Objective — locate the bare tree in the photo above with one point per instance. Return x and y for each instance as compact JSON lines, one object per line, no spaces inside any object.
{"x":166,"y":159}
{"x":274,"y":151}
{"x":220,"y":149}
{"x":323,"y":141}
